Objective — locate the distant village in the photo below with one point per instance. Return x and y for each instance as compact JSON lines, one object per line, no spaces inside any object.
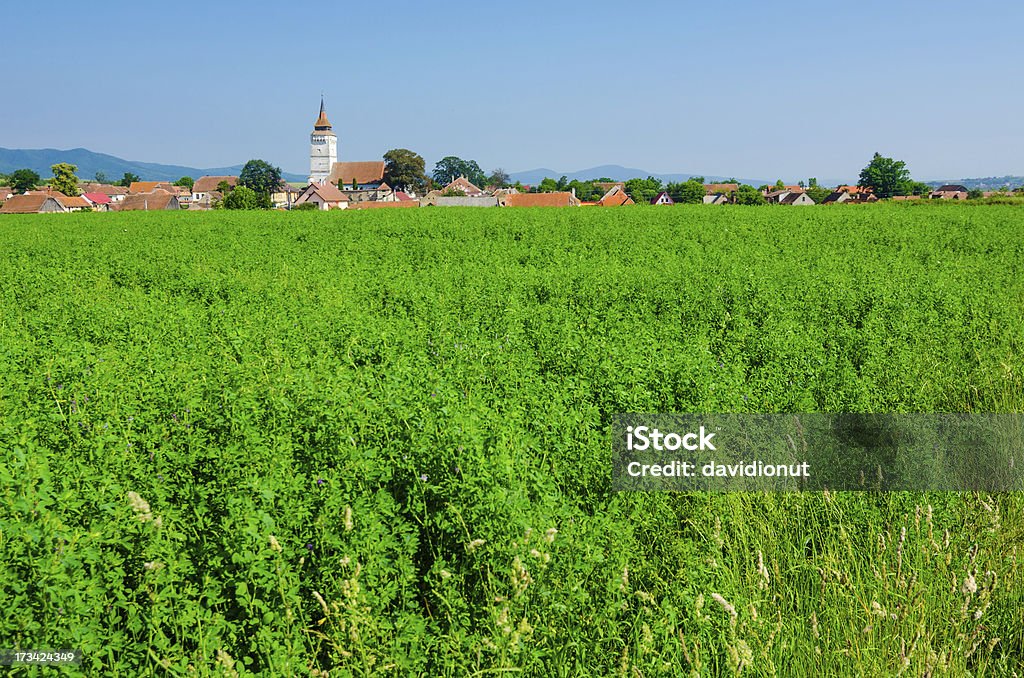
{"x":338,"y":185}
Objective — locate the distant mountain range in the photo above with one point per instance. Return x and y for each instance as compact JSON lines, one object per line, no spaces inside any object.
{"x":983,"y":184}
{"x":89,"y":163}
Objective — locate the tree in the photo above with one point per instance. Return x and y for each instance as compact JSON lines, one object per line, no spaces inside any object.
{"x":243,"y":198}
{"x":887,"y":177}
{"x":23,"y":180}
{"x":748,"y":195}
{"x":548,"y":185}
{"x":450,"y":167}
{"x":642,"y":191}
{"x":224,"y":187}
{"x":689,"y":192}
{"x":405,"y":170}
{"x":101,"y":177}
{"x":818,"y":193}
{"x":185,"y":182}
{"x":261,"y":178}
{"x":499,"y":178}
{"x":975,"y":194}
{"x":128,"y":179}
{"x":64,"y":179}
{"x":919,"y":188}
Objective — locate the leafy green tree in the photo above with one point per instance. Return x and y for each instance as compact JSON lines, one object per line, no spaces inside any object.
{"x":243,"y":198}
{"x":975,"y":194}
{"x":185,"y":182}
{"x":689,"y":192}
{"x":224,"y":187}
{"x":779,"y":185}
{"x":748,"y":195}
{"x":101,"y":177}
{"x":919,"y":188}
{"x":23,"y":180}
{"x":887,"y":177}
{"x":64,"y":179}
{"x":451,"y":167}
{"x":305,"y":207}
{"x":128,"y":179}
{"x":818,"y":193}
{"x":261,"y":178}
{"x":547,"y":185}
{"x":499,"y":178}
{"x":642,"y":191}
{"x":405,"y":170}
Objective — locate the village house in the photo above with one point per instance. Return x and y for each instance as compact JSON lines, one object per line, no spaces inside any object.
{"x":31,"y":203}
{"x":5,"y":192}
{"x":797,"y":198}
{"x":204,"y":186}
{"x":615,"y":196}
{"x":720,"y":194}
{"x":284,"y":196}
{"x":100,"y":202}
{"x":115,"y":193}
{"x":69,"y":203}
{"x":949,"y":192}
{"x":464,"y":186}
{"x":461,"y":201}
{"x":662,"y":198}
{"x":158,"y":200}
{"x":325,"y":196}
{"x":789,"y":197}
{"x":853,"y":195}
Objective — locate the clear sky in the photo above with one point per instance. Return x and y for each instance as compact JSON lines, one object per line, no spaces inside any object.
{"x":750,"y":89}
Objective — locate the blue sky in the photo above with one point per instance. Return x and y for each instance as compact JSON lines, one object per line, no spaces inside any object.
{"x":752,"y":89}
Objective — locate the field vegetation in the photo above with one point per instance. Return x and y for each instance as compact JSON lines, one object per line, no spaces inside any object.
{"x":376,"y":443}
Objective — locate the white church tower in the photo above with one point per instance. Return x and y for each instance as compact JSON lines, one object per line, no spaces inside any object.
{"x":323,"y":148}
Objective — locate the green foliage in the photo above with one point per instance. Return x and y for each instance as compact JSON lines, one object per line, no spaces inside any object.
{"x":224,"y":187}
{"x":748,"y":195}
{"x":305,"y":207}
{"x":244,"y":198}
{"x":817,"y":193}
{"x":262,"y":178}
{"x":975,"y":194}
{"x":185,"y":182}
{"x":642,"y":191}
{"x":689,"y":192}
{"x":919,"y":188}
{"x":260,"y":443}
{"x":452,"y":167}
{"x":128,"y":179}
{"x":23,"y":180}
{"x":887,"y":177}
{"x":101,"y":177}
{"x":405,"y":170}
{"x":499,"y":178}
{"x":64,"y":179}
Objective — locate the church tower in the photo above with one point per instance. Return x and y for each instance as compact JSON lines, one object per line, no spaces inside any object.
{"x":323,"y":148}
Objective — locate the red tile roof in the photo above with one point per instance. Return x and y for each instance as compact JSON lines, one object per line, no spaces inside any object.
{"x":97,"y":198}
{"x":157,"y":200}
{"x":464,"y":185}
{"x":207,"y":184}
{"x":366,"y":172}
{"x":26,"y":204}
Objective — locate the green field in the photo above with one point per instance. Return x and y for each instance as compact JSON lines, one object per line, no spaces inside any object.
{"x":376,"y":443}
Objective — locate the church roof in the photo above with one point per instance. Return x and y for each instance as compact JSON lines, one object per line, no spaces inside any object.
{"x":366,"y":172}
{"x":322,"y":124}
{"x":207,"y":184}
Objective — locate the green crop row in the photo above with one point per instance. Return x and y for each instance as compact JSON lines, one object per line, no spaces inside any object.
{"x":377,"y":443}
